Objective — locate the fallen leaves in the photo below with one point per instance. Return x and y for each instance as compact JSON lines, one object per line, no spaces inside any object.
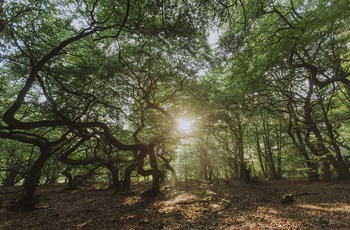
{"x":191,"y":206}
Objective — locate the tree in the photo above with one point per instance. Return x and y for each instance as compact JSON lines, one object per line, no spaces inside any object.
{"x":102,"y":83}
{"x":66,"y":51}
{"x":306,"y":44}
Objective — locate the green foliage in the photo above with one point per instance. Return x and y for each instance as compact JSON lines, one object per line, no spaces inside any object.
{"x":15,"y":160}
{"x":136,"y":66}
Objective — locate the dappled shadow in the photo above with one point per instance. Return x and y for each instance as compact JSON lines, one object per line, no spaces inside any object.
{"x":240,"y":206}
{"x":195,"y":205}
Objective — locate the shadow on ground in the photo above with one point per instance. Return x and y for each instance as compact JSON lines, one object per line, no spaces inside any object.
{"x":193,"y":205}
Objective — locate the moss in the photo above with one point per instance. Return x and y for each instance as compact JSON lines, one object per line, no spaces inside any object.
{"x":287,"y":198}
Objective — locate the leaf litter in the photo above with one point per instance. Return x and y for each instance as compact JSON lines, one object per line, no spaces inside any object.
{"x":193,"y":205}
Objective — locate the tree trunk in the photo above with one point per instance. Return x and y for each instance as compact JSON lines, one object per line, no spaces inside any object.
{"x":268,"y":149}
{"x":320,"y":149}
{"x":203,"y":159}
{"x":339,"y":162}
{"x":116,"y":185}
{"x":244,"y":171}
{"x":138,"y":162}
{"x":127,"y":178}
{"x":279,"y":150}
{"x":155,"y":190}
{"x":10,"y":179}
{"x":28,"y":200}
{"x":171,"y":169}
{"x":295,"y":134}
{"x":157,"y":174}
{"x":260,"y":155}
{"x":326,"y":169}
{"x":312,"y":171}
{"x":235,"y":168}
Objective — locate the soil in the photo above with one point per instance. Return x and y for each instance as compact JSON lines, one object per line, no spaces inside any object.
{"x":193,"y":205}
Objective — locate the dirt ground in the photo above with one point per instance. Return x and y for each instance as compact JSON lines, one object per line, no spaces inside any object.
{"x":194,"y":205}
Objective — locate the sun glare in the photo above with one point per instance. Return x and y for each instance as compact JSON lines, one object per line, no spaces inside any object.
{"x":185,"y":125}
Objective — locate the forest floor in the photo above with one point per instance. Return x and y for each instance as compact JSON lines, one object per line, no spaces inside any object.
{"x":194,"y":205}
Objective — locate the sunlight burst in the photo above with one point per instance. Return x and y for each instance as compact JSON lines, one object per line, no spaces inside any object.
{"x":185,"y":125}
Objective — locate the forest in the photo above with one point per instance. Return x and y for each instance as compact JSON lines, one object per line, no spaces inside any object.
{"x":130,"y":92}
